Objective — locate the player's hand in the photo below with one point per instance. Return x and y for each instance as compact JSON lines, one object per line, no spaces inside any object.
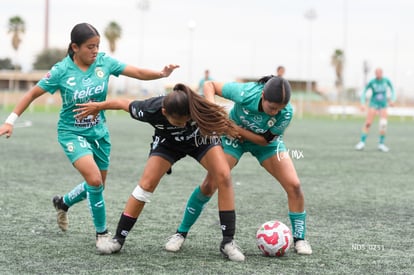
{"x":392,"y":103}
{"x":168,"y":69}
{"x":362,"y":108}
{"x":240,"y":131}
{"x":6,"y":129}
{"x":86,"y":109}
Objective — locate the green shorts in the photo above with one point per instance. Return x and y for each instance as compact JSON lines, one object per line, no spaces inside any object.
{"x":76,"y":147}
{"x":378,"y":105}
{"x":236,"y":148}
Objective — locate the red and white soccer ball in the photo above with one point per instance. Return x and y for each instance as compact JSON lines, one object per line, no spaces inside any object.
{"x":274,"y":238}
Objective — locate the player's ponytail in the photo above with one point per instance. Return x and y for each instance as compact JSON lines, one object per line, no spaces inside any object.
{"x":211,"y":118}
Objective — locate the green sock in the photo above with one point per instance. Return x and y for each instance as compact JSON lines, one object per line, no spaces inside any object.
{"x":76,"y":195}
{"x":97,"y":206}
{"x":195,"y":205}
{"x":363,"y":137}
{"x":381,"y":139}
{"x":298,"y":221}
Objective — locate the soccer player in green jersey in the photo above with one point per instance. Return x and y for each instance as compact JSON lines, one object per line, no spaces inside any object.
{"x":206,"y":77}
{"x":82,"y":76}
{"x":377,"y":105}
{"x":263,"y":112}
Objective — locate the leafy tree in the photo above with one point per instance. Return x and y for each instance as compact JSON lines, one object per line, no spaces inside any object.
{"x":47,"y":58}
{"x":113,"y":32}
{"x":6,"y":64}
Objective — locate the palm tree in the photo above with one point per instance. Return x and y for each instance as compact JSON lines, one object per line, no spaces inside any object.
{"x":337,"y":61}
{"x":113,"y":32}
{"x":16,"y":28}
{"x":366,"y":68}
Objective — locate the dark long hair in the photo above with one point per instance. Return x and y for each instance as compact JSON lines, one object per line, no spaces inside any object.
{"x":276,"y":89}
{"x":79,"y":34}
{"x":211,"y":118}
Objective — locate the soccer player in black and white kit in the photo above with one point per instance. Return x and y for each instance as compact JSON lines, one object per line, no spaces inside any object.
{"x":185,"y":124}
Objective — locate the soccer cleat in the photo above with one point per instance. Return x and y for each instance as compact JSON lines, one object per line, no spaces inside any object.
{"x":383,"y":148}
{"x":174,"y":242}
{"x":232,"y":252}
{"x":106,"y":245}
{"x":303,"y":247}
{"x":62,"y":214}
{"x":360,"y":146}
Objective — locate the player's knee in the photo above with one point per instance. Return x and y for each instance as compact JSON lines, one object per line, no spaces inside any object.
{"x":94,"y":181}
{"x":141,"y":195}
{"x":383,"y":124}
{"x":223,"y":178}
{"x":295,"y":189}
{"x":368,"y":125}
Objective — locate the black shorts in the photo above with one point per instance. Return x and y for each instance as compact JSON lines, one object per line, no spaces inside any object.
{"x":174,"y":151}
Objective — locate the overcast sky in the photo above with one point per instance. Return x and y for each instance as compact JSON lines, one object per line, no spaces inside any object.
{"x":233,"y":38}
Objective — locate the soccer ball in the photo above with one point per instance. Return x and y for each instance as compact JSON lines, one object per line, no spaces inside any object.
{"x":274,"y":238}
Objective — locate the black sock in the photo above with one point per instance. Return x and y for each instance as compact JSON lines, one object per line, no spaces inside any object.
{"x":101,"y":233}
{"x":228,"y":225}
{"x":62,"y":205}
{"x":184,"y":234}
{"x":297,"y":239}
{"x":125,"y":225}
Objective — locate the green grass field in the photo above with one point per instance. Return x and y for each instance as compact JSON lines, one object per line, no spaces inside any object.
{"x":359,"y":204}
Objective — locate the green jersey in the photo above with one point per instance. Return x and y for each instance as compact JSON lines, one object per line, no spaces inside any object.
{"x":245,"y":112}
{"x":77,"y":86}
{"x":379,"y":88}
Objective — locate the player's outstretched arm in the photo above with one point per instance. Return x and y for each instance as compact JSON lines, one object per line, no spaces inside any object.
{"x":212,"y":88}
{"x":29,"y":97}
{"x":149,"y":74}
{"x":93,"y":108}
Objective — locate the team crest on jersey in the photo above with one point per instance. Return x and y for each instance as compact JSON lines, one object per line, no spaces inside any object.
{"x":70,"y":147}
{"x":99,"y":73}
{"x":271,"y":122}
